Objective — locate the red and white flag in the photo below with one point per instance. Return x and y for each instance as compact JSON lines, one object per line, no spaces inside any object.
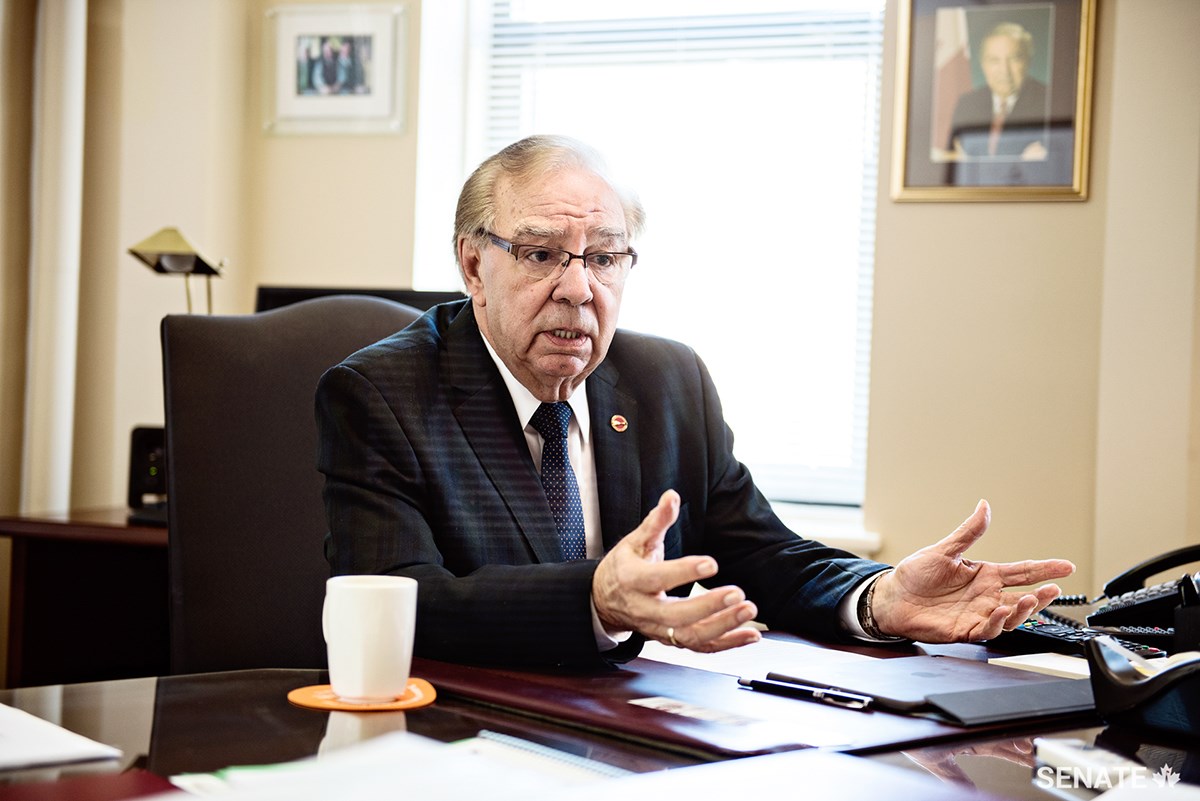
{"x":951,"y":70}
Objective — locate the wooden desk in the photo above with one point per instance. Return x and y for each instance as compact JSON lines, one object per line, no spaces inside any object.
{"x":204,"y":722}
{"x":88,"y":599}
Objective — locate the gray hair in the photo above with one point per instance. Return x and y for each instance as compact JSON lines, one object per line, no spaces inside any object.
{"x":522,"y":161}
{"x":1018,"y":34}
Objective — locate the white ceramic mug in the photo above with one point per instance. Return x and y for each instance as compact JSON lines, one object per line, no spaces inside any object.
{"x":369,"y":623}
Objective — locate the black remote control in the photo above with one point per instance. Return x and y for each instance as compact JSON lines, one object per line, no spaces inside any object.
{"x":1037,"y":635}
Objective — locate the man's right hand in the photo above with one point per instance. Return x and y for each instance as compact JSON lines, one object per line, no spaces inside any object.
{"x":629,"y":591}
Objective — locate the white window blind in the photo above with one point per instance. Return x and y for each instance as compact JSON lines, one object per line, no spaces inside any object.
{"x":752,"y":139}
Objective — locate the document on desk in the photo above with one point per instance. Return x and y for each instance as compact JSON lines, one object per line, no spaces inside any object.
{"x":27,"y":741}
{"x":963,"y":691}
{"x":406,"y":765}
{"x":753,"y":660}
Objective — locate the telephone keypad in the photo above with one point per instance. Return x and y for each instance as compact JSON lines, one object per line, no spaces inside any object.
{"x":1155,"y":603}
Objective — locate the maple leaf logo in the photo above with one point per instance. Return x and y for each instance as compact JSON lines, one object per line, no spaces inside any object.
{"x":1166,"y":777}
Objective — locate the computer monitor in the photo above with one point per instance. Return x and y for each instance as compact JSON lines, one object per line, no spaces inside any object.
{"x":272,"y":297}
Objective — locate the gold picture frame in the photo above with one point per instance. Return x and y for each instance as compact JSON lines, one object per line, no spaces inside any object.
{"x":953,"y":140}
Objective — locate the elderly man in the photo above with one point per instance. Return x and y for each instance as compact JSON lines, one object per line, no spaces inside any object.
{"x":556,"y":486}
{"x":1008,"y":116}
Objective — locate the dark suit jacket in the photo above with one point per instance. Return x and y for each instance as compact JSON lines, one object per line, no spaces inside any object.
{"x":1028,"y":122}
{"x":428,"y":475}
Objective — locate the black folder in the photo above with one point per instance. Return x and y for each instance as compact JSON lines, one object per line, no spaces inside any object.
{"x":966,"y":691}
{"x":746,"y":723}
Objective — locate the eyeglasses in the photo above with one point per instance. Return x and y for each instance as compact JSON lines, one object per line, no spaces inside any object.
{"x":541,"y":262}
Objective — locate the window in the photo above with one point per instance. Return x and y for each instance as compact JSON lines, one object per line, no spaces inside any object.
{"x":752,"y":139}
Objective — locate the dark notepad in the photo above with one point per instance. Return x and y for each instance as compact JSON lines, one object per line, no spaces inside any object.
{"x":968,"y":691}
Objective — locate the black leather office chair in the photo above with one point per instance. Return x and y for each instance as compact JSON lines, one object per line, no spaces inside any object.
{"x":245,"y":515}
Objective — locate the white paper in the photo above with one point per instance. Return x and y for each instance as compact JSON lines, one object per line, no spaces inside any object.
{"x":1064,"y":666}
{"x":752,"y":661}
{"x":401,"y":765}
{"x":27,"y":741}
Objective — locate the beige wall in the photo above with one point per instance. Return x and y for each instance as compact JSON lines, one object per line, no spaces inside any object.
{"x":330,"y":210}
{"x":1040,"y":355}
{"x":163,"y":147}
{"x":1147,"y":468}
{"x":175,"y":137}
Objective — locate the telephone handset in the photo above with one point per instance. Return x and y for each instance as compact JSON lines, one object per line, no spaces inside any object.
{"x":1132,"y":603}
{"x":1164,"y":697}
{"x":1135,"y":577}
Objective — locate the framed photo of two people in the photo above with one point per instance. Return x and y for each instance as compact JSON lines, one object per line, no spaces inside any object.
{"x":993,"y":99}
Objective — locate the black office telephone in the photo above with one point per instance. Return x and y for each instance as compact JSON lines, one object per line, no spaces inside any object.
{"x":1132,"y":603}
{"x":1150,"y":621}
{"x":1165,"y":701}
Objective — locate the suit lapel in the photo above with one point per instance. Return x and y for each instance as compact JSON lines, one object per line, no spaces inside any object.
{"x":484,"y":410}
{"x":617,"y":451}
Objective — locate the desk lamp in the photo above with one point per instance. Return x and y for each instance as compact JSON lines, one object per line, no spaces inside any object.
{"x":169,"y":252}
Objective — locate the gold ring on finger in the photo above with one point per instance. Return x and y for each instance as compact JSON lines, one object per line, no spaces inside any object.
{"x":671,"y":636}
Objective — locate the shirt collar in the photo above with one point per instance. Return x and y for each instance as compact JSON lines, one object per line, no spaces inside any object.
{"x":525,"y":402}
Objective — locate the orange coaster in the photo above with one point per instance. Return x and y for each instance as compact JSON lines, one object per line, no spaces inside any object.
{"x":419,"y":693}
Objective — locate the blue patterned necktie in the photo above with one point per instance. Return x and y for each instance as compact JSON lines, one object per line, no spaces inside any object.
{"x":558,"y":479}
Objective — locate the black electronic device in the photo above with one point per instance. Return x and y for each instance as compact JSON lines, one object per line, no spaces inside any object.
{"x":1150,"y":620}
{"x":1131,"y":603}
{"x":273,"y":297}
{"x":148,"y":476}
{"x":1166,"y":700}
{"x":1047,"y":631}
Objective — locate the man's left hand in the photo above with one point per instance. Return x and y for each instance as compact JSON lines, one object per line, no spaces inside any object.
{"x":937,"y":595}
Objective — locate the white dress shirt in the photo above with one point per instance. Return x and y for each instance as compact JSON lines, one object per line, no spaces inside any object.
{"x":579,"y":447}
{"x":1003,"y":105}
{"x":583,"y":462}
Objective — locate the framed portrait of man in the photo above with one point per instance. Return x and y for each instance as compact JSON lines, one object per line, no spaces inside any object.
{"x":993,"y":100}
